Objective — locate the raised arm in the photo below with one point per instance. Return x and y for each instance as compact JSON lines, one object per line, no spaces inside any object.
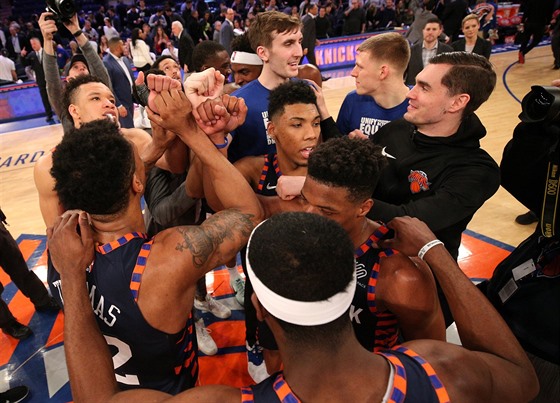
{"x":50,"y":67}
{"x":493,"y":366}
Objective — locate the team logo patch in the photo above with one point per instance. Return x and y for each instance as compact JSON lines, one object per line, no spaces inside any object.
{"x":418,"y":181}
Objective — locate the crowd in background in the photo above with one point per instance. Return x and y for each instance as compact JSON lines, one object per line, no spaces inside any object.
{"x":148,"y":34}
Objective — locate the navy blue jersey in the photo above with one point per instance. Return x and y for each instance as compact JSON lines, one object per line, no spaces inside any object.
{"x":374,"y":330}
{"x":269,"y":176}
{"x":414,"y":381}
{"x":144,"y":357}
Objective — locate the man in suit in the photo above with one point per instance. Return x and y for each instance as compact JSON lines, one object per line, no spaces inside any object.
{"x":226,"y":33}
{"x":310,"y":33}
{"x":422,"y":52}
{"x":122,"y":78}
{"x":185,"y":45}
{"x":34,"y":61}
{"x":15,"y":43}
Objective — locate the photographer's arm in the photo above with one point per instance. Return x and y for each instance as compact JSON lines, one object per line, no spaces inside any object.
{"x":50,"y":67}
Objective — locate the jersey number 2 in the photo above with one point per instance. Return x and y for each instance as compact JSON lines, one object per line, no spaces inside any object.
{"x":123,"y":355}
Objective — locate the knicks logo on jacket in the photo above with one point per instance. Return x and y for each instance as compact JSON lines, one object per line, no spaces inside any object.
{"x":418,"y":181}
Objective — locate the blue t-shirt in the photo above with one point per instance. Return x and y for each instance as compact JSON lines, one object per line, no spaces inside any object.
{"x":362,"y":112}
{"x":251,"y":138}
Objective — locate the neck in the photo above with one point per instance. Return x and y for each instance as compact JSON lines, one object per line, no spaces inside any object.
{"x":430,"y":45}
{"x":391,"y":93}
{"x":289,"y":168}
{"x":315,"y":374}
{"x":471,"y":41}
{"x":440,"y":129}
{"x":362,"y":231}
{"x":269,"y":79}
{"x":107,"y":229}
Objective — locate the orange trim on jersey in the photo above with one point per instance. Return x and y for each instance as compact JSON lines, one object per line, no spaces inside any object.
{"x":141,"y":260}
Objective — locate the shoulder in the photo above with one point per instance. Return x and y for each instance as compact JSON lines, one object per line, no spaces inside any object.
{"x":43,"y":166}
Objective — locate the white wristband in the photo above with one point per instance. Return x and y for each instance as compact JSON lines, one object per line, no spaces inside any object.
{"x":427,"y":247}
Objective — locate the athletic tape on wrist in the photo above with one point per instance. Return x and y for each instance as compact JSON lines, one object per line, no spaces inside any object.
{"x":427,"y":247}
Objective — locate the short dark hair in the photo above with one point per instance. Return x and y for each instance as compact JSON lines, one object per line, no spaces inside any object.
{"x":289,"y":93}
{"x":93,"y":168}
{"x":113,"y":41}
{"x":72,"y":86}
{"x":203,"y":52}
{"x":459,"y":78}
{"x":160,"y":59}
{"x":433,"y":20}
{"x":304,"y":257}
{"x":241,"y":44}
{"x":353,"y":164}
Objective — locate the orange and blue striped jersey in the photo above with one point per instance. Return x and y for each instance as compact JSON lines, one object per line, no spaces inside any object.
{"x":269,"y":176}
{"x":414,"y":381}
{"x":144,"y":356}
{"x":375,"y":330}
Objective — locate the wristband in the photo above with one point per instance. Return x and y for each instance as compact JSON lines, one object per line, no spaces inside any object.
{"x":427,"y":247}
{"x":224,"y":145}
{"x":77,"y":33}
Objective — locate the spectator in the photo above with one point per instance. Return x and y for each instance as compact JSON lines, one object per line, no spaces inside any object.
{"x":109,"y":30}
{"x":309,"y":31}
{"x":226,"y":32}
{"x":8,"y":73}
{"x":160,"y":40}
{"x":472,"y":43}
{"x":186,"y":46}
{"x":354,"y":19}
{"x":140,"y":52}
{"x":422,"y":14}
{"x":34,"y":61}
{"x":90,"y":32}
{"x":158,"y":19}
{"x":386,"y":16}
{"x":323,"y":24}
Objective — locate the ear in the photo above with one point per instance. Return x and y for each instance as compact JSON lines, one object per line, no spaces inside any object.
{"x":459,"y":103}
{"x":261,"y":312}
{"x":271,"y":130}
{"x":365,"y":207}
{"x":137,"y":185}
{"x":384,"y":71}
{"x":262,"y":52}
{"x":73,"y":111}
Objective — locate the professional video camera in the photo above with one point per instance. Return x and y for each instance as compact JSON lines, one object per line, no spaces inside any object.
{"x":63,"y":10}
{"x":525,"y":287}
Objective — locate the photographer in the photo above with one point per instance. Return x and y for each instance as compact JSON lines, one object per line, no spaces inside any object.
{"x":94,"y":65}
{"x":525,"y":287}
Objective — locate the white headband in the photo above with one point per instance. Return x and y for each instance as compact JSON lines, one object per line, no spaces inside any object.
{"x":246,"y":58}
{"x":300,"y":312}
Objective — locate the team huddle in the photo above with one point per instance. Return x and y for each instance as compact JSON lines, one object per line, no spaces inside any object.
{"x":346,"y":296}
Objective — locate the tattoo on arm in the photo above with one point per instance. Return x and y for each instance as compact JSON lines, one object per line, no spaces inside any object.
{"x":202,"y":241}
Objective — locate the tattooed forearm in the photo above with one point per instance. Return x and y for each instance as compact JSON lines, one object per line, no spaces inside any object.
{"x":202,"y":241}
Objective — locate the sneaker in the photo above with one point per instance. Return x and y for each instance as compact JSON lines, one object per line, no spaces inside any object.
{"x":206,"y":343}
{"x":521,"y":58}
{"x":14,"y":395}
{"x":17,"y":330}
{"x":216,"y":308}
{"x":255,"y":362}
{"x":527,"y":219}
{"x":238,"y":285}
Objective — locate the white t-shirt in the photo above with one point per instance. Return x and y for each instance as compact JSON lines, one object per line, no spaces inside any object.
{"x":6,"y":68}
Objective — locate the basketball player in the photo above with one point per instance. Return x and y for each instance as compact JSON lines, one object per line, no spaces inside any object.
{"x":142,"y":290}
{"x":307,"y":311}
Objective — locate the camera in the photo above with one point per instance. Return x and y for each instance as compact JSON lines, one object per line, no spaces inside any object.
{"x":542,"y":104}
{"x":63,"y":10}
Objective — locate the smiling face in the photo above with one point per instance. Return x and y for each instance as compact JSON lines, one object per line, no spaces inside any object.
{"x":93,"y":101}
{"x":429,"y":99}
{"x":296,"y":132}
{"x":284,"y":54}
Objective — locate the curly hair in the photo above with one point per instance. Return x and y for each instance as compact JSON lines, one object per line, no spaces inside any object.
{"x":459,"y":78}
{"x":353,"y":164}
{"x":289,"y":93}
{"x":72,"y":87}
{"x":267,"y":25}
{"x":93,"y":168}
{"x":203,"y":52}
{"x":241,"y":44}
{"x":304,"y":257}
